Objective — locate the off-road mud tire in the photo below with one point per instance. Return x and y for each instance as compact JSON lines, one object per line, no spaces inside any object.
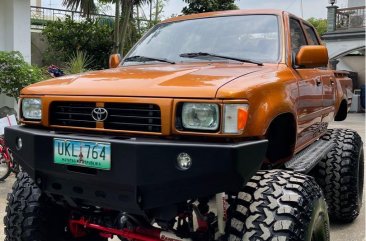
{"x":279,"y":205}
{"x":31,"y":217}
{"x":341,"y":175}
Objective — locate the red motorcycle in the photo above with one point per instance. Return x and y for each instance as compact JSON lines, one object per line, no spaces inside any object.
{"x":7,"y":163}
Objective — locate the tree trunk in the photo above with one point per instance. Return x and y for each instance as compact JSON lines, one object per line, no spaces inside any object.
{"x":138,"y":19}
{"x":151,"y":9}
{"x":116,"y":28}
{"x":157,"y":12}
{"x":126,"y":12}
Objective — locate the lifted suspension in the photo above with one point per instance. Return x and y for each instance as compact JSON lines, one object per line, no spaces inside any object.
{"x":78,"y":228}
{"x":206,"y":223}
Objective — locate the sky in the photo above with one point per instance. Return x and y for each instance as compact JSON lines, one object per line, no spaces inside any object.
{"x":311,"y":8}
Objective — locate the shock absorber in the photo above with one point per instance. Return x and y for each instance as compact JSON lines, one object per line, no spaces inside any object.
{"x":221,"y":211}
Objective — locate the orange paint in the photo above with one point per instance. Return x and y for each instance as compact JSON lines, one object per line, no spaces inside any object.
{"x":270,"y":90}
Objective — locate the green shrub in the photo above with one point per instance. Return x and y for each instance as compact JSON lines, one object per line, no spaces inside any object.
{"x":78,"y":63}
{"x":203,"y":6}
{"x":66,"y":37}
{"x":16,"y":74}
{"x":319,"y":24}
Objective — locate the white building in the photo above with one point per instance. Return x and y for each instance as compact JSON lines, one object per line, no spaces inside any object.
{"x":15,"y":33}
{"x":345,"y":38}
{"x":37,"y":3}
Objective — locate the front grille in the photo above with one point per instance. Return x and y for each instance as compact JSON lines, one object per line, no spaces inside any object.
{"x":76,"y":114}
{"x":133,"y":117}
{"x":121,"y":116}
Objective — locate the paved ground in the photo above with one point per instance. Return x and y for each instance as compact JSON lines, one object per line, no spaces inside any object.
{"x":349,"y":232}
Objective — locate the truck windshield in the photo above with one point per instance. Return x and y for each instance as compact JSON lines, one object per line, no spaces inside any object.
{"x":251,"y":37}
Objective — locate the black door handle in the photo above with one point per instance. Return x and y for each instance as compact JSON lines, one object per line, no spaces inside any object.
{"x":318,"y":81}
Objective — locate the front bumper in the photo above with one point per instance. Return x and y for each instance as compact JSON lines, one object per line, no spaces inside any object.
{"x":144,"y":174}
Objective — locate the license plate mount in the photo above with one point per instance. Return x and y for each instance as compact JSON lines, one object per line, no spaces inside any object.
{"x":90,"y":154}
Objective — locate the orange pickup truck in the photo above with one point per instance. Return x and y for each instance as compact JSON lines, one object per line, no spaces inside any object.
{"x":213,"y":127}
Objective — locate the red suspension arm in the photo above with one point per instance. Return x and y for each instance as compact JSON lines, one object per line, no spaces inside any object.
{"x":139,"y":235}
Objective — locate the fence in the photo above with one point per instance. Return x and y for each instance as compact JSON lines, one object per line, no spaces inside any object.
{"x":41,"y":15}
{"x":350,"y":18}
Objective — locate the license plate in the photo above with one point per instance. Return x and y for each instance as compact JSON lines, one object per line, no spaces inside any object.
{"x":89,"y":154}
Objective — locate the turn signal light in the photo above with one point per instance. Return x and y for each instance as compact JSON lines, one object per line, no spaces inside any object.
{"x":235,"y":118}
{"x":242,"y":118}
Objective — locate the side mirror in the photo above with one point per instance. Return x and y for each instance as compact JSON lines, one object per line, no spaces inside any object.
{"x":114,"y":60}
{"x":312,"y":56}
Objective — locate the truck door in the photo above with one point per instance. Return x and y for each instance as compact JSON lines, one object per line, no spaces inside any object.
{"x":310,"y":100}
{"x":329,"y":97}
{"x":327,"y":79}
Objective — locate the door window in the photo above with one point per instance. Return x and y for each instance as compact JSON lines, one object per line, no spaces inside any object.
{"x":311,"y":33}
{"x":297,"y":36}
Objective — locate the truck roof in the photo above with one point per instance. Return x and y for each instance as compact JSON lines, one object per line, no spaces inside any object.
{"x":224,"y":13}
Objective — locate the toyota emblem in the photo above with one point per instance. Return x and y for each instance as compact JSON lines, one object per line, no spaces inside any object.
{"x":99,"y":114}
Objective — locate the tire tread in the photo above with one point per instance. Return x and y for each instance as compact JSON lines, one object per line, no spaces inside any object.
{"x":31,"y":217}
{"x":337,"y":175}
{"x":275,"y":205}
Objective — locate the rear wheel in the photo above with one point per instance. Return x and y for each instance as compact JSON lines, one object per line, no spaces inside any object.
{"x":31,"y":217}
{"x":341,"y":175}
{"x":279,"y":205}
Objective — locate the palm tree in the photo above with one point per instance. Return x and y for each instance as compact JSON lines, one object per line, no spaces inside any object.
{"x":127,"y":15}
{"x":121,"y":20}
{"x":116,"y":28}
{"x":87,"y":7}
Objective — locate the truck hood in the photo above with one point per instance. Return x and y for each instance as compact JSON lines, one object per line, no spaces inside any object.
{"x":179,"y":81}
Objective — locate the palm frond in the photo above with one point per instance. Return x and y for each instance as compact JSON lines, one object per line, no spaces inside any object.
{"x":87,"y":7}
{"x":140,"y":2}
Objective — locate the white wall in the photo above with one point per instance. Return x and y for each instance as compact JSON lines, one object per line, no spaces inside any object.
{"x":15,"y":26}
{"x":7,"y":101}
{"x":15,"y":32}
{"x":37,"y":3}
{"x":2,"y":25}
{"x":355,"y":64}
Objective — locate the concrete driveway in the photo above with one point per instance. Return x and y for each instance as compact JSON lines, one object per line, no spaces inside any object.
{"x":348,"y":232}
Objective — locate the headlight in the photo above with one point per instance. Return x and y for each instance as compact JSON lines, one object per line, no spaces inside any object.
{"x":32,"y":108}
{"x":235,"y":118}
{"x":199,"y":116}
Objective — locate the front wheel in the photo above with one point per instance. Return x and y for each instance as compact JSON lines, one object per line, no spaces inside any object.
{"x":30,"y":216}
{"x":279,"y":205}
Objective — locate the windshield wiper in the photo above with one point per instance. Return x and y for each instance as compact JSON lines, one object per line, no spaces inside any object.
{"x":201,"y":54}
{"x":139,"y":58}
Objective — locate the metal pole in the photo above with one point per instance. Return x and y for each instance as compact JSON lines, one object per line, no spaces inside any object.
{"x":302,"y":10}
